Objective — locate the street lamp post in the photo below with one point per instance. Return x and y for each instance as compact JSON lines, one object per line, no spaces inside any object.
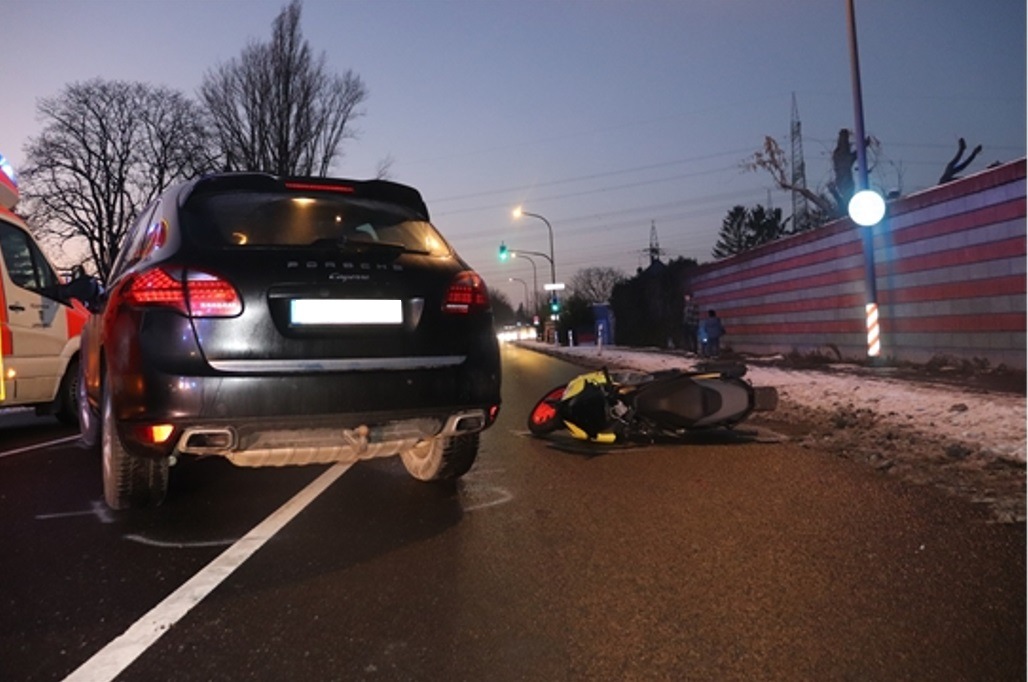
{"x":866,"y":207}
{"x":522,"y":252}
{"x":535,"y":277}
{"x":858,"y":98}
{"x":523,"y":284}
{"x":507,"y":252}
{"x":518,"y":212}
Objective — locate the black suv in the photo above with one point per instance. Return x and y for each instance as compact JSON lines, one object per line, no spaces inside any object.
{"x":278,"y":321}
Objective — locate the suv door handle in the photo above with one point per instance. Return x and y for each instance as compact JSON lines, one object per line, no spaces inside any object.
{"x":16,"y":307}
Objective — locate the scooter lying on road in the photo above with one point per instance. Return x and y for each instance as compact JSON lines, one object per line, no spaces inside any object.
{"x":618,"y":406}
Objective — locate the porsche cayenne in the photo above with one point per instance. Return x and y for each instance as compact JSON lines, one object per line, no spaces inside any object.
{"x":279,"y":321}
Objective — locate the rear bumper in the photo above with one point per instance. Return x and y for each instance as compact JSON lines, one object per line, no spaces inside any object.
{"x":316,"y":416}
{"x":259,"y":445}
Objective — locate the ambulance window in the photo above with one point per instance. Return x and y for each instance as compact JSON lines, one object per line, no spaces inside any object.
{"x":26,"y":265}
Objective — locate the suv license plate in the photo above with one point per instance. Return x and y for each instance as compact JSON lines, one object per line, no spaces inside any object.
{"x":320,"y":311}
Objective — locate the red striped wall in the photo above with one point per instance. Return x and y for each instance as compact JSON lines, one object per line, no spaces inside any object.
{"x":949,"y":266}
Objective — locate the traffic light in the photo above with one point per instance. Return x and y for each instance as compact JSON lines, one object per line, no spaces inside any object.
{"x":554,"y":305}
{"x":504,"y":252}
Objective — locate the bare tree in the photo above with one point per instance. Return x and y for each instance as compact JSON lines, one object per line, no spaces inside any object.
{"x":277,"y":108}
{"x":956,"y":165}
{"x":384,"y":169}
{"x":595,"y":284}
{"x":773,"y":160}
{"x":107,"y":149}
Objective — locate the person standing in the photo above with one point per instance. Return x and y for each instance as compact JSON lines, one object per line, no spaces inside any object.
{"x":711,"y":331}
{"x":690,"y":324}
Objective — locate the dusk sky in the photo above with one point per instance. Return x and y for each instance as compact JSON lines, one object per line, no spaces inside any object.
{"x":602,"y":115}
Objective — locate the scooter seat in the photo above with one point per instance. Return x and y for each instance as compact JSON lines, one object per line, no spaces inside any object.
{"x":677,"y":403}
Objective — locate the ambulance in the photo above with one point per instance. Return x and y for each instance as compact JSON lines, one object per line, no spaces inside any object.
{"x":39,"y":324}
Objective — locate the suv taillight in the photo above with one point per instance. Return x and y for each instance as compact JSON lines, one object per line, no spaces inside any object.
{"x":200,"y":294}
{"x":467,"y":294}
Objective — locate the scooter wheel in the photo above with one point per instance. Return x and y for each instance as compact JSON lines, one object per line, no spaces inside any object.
{"x":544,"y":417}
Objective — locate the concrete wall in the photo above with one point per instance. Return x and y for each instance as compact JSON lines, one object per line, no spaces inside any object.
{"x":949,"y":269}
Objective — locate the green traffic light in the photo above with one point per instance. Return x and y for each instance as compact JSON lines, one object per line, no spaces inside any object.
{"x":504,"y":252}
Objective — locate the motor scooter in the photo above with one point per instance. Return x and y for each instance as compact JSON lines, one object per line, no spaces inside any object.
{"x":617,"y":406}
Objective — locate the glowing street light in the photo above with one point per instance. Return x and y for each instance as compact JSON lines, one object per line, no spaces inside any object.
{"x":517,"y":213}
{"x":867,"y":208}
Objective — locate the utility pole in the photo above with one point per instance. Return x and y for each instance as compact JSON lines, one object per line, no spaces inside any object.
{"x":800,"y":205}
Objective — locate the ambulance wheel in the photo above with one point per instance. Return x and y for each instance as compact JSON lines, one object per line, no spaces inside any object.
{"x":89,"y":419}
{"x":544,"y":417}
{"x":129,"y":481}
{"x":67,"y":395}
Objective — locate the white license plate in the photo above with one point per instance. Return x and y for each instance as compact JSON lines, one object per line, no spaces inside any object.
{"x":310,"y":311}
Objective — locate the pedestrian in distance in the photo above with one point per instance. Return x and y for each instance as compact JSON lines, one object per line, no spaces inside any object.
{"x":690,"y":324}
{"x":711,"y":331}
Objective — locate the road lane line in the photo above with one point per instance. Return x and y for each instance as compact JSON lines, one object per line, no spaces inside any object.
{"x":37,"y":446}
{"x":110,"y":661}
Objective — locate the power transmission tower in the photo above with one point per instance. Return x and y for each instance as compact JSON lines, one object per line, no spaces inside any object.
{"x":654,"y":251}
{"x":800,"y":206}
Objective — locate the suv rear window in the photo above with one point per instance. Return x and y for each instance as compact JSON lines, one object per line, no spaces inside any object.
{"x":263,"y":219}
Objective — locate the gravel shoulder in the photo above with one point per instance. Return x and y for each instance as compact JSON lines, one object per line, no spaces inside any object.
{"x":924,"y":453}
{"x":997,"y":484}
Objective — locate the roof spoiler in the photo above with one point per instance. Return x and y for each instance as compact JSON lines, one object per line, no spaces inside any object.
{"x":382,"y":190}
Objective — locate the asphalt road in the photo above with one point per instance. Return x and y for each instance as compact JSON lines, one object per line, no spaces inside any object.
{"x":725,"y":558}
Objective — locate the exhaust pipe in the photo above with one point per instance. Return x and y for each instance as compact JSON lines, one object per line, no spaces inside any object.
{"x":207,"y":441}
{"x":465,"y":422}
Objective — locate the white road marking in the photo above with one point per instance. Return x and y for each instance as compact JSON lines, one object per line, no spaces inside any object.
{"x":100,"y":510}
{"x":37,"y":446}
{"x":478,"y":495}
{"x":110,"y":661}
{"x":500,"y":496}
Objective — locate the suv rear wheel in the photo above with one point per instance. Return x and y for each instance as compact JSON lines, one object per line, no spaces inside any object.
{"x":442,"y":458}
{"x":129,"y":481}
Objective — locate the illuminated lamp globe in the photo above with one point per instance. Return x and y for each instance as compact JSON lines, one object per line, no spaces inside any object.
{"x":867,"y":208}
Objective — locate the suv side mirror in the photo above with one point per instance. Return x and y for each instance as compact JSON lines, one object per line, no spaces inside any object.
{"x":82,"y":287}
